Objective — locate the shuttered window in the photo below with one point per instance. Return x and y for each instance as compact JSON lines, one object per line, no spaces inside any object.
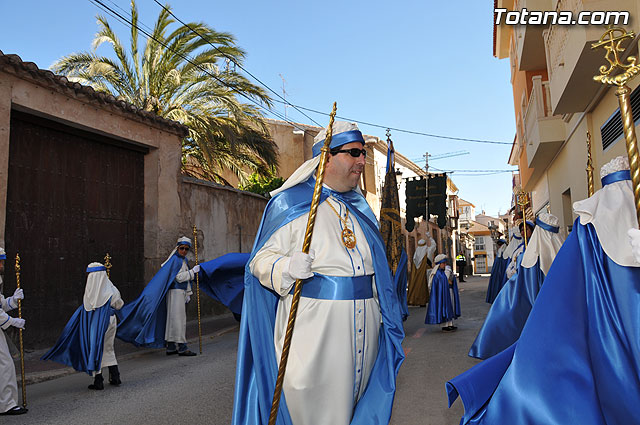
{"x":612,"y":129}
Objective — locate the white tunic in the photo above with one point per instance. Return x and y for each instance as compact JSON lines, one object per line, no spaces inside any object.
{"x":512,"y":268}
{"x":8,"y":385}
{"x":335,"y":342}
{"x":176,"y":325}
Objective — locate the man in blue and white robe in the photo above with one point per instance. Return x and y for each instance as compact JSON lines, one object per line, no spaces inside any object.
{"x":510,"y":310}
{"x":578,"y":359}
{"x":346,"y":347}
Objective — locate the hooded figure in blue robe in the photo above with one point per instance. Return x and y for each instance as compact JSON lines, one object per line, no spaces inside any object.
{"x":497,"y":272}
{"x":578,"y":358}
{"x":509,"y":312}
{"x":87,"y":340}
{"x":346,"y":345}
{"x":159,"y":313}
{"x":441,"y":308}
{"x":514,"y":245}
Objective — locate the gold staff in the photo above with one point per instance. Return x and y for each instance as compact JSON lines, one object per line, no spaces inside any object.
{"x":315,"y":200}
{"x":107,"y":264}
{"x":195,"y":248}
{"x":611,"y":40}
{"x":24,"y":387}
{"x":590,"y":190}
{"x":521,"y":199}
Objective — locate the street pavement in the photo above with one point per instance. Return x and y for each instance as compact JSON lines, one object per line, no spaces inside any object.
{"x":160,"y":389}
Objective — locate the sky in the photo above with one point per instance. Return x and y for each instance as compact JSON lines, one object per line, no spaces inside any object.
{"x":418,"y":65}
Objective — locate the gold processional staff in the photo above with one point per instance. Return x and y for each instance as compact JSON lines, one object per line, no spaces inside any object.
{"x":298,"y":285}
{"x":24,"y":387}
{"x":195,"y":249}
{"x":611,"y":41}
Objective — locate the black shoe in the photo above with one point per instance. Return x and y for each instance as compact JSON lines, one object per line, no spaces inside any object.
{"x":98,"y":383}
{"x":16,"y":410}
{"x":114,"y":375}
{"x":187,"y":353}
{"x":453,"y":328}
{"x":446,"y":329}
{"x":169,"y":353}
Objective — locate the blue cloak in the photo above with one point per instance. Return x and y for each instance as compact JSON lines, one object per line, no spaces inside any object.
{"x":257,"y":366}
{"x":578,"y":358}
{"x":143,"y":321}
{"x":400,"y":279}
{"x":509,"y":312}
{"x":440,"y":308}
{"x":497,"y":278}
{"x":82,"y":340}
{"x":223,"y":279}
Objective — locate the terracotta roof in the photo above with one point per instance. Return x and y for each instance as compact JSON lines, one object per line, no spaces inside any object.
{"x":29,"y":70}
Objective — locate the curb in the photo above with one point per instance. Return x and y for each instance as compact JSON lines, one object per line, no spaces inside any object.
{"x":48,"y":375}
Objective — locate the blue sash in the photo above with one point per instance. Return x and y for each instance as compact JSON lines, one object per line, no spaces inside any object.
{"x":324,"y":287}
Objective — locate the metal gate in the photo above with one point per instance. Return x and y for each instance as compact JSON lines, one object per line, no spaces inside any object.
{"x":72,"y":196}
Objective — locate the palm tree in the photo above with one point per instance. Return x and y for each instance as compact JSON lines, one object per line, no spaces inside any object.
{"x":178,"y":75}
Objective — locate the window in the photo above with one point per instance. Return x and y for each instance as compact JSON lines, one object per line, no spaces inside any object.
{"x":479,"y":245}
{"x":612,"y":129}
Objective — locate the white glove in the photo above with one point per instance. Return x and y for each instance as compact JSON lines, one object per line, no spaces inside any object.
{"x":634,"y":240}
{"x":187,"y":298}
{"x":196,"y":269}
{"x":17,"y":322}
{"x":300,"y":264}
{"x":18,"y":294}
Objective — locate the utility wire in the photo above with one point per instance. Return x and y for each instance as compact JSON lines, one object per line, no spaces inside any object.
{"x":419,"y":133}
{"x":127,"y":22}
{"x":284,"y":100}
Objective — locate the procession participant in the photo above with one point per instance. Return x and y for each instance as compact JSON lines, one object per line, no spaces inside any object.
{"x":443,"y":285}
{"x":422,"y":263}
{"x":346,"y":346}
{"x":497,"y":272}
{"x":515,"y":242}
{"x":510,"y":310}
{"x":516,"y":255}
{"x":461,"y":263}
{"x":158,"y":318}
{"x":87,"y":340}
{"x":577,"y":359}
{"x":8,"y":384}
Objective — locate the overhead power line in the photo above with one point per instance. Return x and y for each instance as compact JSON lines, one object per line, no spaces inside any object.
{"x":129,"y":23}
{"x":280,"y":99}
{"x":283,"y":99}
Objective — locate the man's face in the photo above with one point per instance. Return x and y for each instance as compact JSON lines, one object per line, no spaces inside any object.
{"x":183,"y":250}
{"x":343,"y":171}
{"x":1,"y":266}
{"x":442,"y":265}
{"x":528,"y":229}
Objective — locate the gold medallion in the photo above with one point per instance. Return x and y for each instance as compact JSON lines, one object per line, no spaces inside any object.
{"x":348,"y":238}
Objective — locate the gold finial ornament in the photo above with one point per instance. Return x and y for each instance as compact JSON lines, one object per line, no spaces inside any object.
{"x":611,"y":40}
{"x":590,"y":189}
{"x":107,"y":264}
{"x":295,"y":301}
{"x":195,"y":249}
{"x":522,"y":199}
{"x":24,"y":387}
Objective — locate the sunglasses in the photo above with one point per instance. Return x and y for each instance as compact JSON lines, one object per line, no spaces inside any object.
{"x":354,"y":152}
{"x":183,"y":248}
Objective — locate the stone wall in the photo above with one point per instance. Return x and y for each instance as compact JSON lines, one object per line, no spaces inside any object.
{"x":227,"y":220}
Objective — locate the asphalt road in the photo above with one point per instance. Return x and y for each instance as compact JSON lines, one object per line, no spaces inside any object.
{"x":173,"y":390}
